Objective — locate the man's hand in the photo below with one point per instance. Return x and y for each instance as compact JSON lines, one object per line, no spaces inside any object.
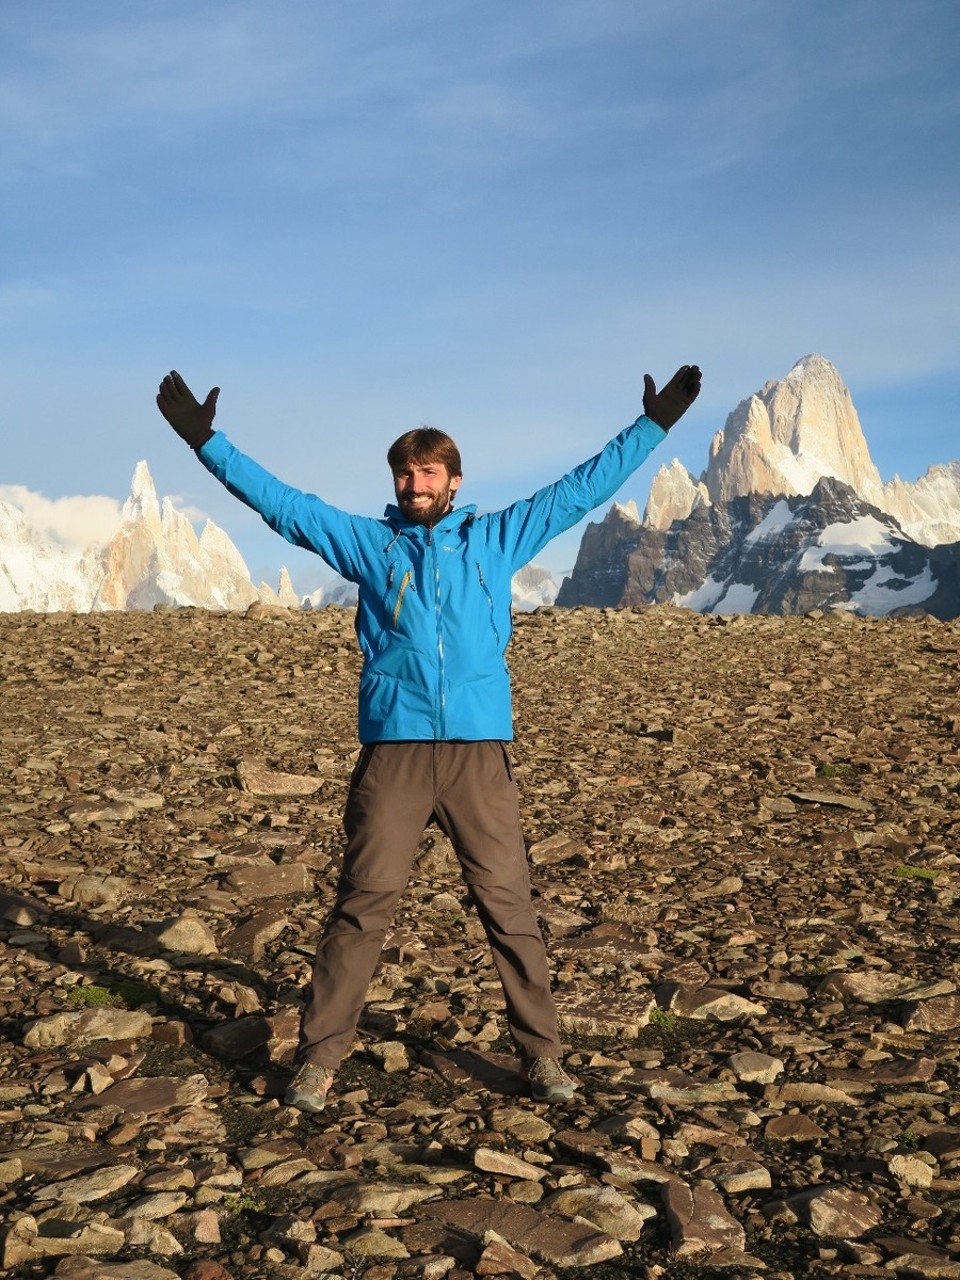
{"x":669,"y":405}
{"x":191,"y":420}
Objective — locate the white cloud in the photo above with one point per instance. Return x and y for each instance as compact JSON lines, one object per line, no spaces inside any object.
{"x":78,"y":522}
{"x":75,"y":523}
{"x":196,"y":515}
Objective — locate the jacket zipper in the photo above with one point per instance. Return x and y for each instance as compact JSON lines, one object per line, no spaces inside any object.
{"x":404,"y":583}
{"x":486,"y":592}
{"x":439,"y":617}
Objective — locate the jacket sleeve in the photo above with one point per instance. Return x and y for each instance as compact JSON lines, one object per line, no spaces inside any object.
{"x":302,"y":518}
{"x":525,"y":527}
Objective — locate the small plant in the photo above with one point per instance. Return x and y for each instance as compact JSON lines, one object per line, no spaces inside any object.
{"x":96,"y":997}
{"x":243,"y":1203}
{"x":662,"y":1019}
{"x":135,"y":994}
{"x":836,"y":770}
{"x":915,"y":873}
{"x":125,"y":993}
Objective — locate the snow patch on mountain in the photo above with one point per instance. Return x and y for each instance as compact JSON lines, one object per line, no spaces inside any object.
{"x":778,"y":518}
{"x":864,"y":545}
{"x":533,"y":587}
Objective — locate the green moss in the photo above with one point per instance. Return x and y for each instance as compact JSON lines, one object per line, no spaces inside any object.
{"x":244,"y":1203}
{"x":95,"y":996}
{"x":125,"y":993}
{"x":662,"y":1019}
{"x":915,"y":873}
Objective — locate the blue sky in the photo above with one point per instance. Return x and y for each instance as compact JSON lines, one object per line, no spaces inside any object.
{"x":489,"y":215}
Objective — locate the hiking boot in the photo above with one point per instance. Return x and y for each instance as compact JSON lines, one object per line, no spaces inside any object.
{"x":548,"y":1080}
{"x":309,"y":1088}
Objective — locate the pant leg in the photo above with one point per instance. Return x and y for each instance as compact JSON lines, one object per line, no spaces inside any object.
{"x":388,"y":806}
{"x":477,"y":805}
{"x":520,"y":956}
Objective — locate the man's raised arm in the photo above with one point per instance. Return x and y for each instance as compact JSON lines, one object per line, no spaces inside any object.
{"x":525,"y":527}
{"x":301,"y":518}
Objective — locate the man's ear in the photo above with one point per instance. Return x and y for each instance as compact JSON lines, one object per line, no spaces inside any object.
{"x":455,"y":483}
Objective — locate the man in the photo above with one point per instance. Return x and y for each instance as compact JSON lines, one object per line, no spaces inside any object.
{"x":433,"y":623}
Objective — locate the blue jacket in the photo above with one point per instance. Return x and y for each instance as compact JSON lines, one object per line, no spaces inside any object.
{"x":433,"y":617}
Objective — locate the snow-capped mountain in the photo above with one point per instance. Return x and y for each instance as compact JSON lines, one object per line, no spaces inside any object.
{"x":769,"y":554}
{"x":337,"y":593}
{"x":785,"y":438}
{"x":154,"y":557}
{"x":37,"y":575}
{"x":790,"y":513}
{"x":533,"y":586}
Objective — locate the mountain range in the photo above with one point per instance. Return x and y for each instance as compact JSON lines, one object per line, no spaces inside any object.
{"x":790,"y":514}
{"x":156,"y":558}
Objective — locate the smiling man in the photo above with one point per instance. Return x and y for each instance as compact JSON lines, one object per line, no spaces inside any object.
{"x":426,"y":474}
{"x":434,"y":709}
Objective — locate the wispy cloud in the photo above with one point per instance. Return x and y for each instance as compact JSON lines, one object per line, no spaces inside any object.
{"x":74,"y":522}
{"x":79,"y":521}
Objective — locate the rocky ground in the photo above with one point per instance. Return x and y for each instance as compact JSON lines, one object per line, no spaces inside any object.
{"x":744,"y":841}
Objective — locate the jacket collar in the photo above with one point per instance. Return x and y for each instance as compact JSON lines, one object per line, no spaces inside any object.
{"x":452,"y":520}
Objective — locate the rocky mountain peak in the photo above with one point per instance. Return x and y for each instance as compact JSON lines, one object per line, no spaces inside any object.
{"x":674,"y":494}
{"x":789,"y":514}
{"x":783,"y":438}
{"x":142,"y":503}
{"x":788,"y":435}
{"x":153,"y":558}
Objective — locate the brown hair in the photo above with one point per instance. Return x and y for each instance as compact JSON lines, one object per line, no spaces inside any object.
{"x":425,"y":444}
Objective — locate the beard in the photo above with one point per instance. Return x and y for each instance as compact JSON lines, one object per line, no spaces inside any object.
{"x":426,"y":512}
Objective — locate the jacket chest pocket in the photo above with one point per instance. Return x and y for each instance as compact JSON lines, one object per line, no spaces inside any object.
{"x":398,"y":584}
{"x":488,"y":596}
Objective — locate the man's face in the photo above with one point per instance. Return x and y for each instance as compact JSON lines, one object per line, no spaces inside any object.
{"x":424,"y":491}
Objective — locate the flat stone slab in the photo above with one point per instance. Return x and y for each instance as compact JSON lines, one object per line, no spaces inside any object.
{"x":550,"y":1238}
{"x":260,"y":780}
{"x":87,"y":1025}
{"x":153,"y":1094}
{"x":499,"y":1073}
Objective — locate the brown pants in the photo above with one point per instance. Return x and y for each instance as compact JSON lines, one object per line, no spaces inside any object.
{"x":468,"y":787}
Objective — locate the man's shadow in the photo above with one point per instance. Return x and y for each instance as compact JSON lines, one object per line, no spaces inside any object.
{"x":253,"y":1050}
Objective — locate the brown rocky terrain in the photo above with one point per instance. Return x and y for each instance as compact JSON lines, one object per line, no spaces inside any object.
{"x":744,"y":842}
